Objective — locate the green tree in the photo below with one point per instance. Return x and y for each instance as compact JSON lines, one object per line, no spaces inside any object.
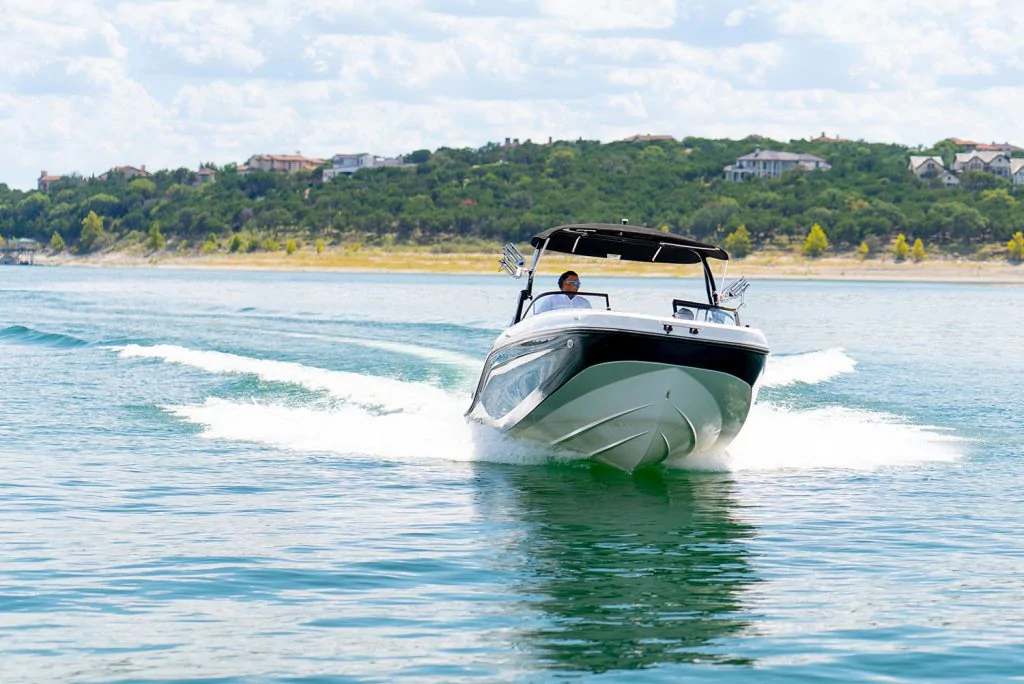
{"x":93,"y":235}
{"x":320,"y":246}
{"x":708,"y":221}
{"x":156,"y":240}
{"x":560,"y":162}
{"x":290,"y":247}
{"x":1016,"y":247}
{"x":418,"y":157}
{"x":901,"y":250}
{"x":816,"y":242}
{"x":863,"y":252}
{"x":738,"y":242}
{"x":143,"y":186}
{"x":56,"y":242}
{"x":917,"y":253}
{"x":237,"y":244}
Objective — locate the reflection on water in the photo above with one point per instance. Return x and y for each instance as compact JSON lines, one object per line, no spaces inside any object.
{"x":629,"y":572}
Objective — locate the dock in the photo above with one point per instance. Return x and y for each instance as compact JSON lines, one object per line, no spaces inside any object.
{"x":18,"y":252}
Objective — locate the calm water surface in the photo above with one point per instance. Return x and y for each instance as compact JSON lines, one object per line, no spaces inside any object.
{"x":267,"y":477}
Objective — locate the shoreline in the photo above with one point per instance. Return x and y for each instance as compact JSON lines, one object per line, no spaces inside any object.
{"x":764,"y":266}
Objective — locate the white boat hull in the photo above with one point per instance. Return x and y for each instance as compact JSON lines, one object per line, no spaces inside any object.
{"x":631,"y":414}
{"x":626,"y":390}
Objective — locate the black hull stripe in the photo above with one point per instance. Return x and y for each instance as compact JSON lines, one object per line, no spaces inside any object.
{"x":606,"y":347}
{"x":591,"y":348}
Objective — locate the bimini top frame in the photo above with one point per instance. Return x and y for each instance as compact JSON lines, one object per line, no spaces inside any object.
{"x":625,"y":242}
{"x":619,"y":242}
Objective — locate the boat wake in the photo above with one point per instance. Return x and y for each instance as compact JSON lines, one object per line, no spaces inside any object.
{"x":810,"y":368}
{"x":363,"y":415}
{"x":391,"y":419}
{"x":780,"y":438}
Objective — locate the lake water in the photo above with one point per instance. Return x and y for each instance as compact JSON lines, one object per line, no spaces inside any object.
{"x":243,"y":476}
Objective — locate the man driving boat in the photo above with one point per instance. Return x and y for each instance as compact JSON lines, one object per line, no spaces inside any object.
{"x":569,"y":284}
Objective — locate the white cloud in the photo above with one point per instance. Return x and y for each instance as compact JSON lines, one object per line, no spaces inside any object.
{"x":87,"y":84}
{"x":910,"y":43}
{"x":735,"y":18}
{"x":34,"y":33}
{"x":199,"y":31}
{"x":611,"y":15}
{"x":408,"y":63}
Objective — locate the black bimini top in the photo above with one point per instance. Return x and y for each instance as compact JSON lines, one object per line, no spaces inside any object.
{"x":625,"y":242}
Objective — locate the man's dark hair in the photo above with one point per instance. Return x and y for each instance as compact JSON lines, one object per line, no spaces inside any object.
{"x":565,"y":276}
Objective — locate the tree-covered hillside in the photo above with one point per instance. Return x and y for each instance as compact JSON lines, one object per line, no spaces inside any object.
{"x":508,"y":193}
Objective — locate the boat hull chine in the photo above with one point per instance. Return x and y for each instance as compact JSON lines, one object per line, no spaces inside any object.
{"x":632,"y":415}
{"x":627,"y":398}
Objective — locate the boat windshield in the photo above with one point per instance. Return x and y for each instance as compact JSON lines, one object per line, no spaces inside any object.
{"x":703,"y":313}
{"x":556,"y":301}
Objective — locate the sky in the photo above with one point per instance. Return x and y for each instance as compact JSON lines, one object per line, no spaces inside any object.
{"x":90,"y":84}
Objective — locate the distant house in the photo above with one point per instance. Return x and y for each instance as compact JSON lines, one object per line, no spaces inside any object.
{"x":1017,"y":171}
{"x":960,"y":142}
{"x":45,"y":181}
{"x":283,"y":163}
{"x":347,"y":164}
{"x":825,"y":139}
{"x":128,"y":172}
{"x":772,"y":164}
{"x":205,"y":176}
{"x":971,"y":146}
{"x":926,"y":167}
{"x":647,"y":137}
{"x":949,"y":179}
{"x":997,"y":163}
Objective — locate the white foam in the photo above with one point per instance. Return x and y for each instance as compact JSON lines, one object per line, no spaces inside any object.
{"x":776,"y":438}
{"x":352,"y":431}
{"x":443,"y":356}
{"x":810,"y":368}
{"x":365,"y":390}
{"x":426,"y":422}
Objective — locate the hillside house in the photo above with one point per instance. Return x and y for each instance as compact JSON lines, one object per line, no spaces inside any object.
{"x":772,"y":164}
{"x":1017,"y":172}
{"x":647,"y":137}
{"x":282,"y":163}
{"x":205,"y":175}
{"x":971,"y":146}
{"x":825,"y":139}
{"x":997,"y":163}
{"x":45,"y":181}
{"x":128,"y":172}
{"x":347,"y":164}
{"x":926,"y":167}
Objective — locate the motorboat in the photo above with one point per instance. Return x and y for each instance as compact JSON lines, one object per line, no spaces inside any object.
{"x":631,"y":390}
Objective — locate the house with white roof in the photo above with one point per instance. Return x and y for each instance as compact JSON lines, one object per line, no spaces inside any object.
{"x":926,"y":167}
{"x":347,"y":164}
{"x":772,"y":164}
{"x":997,"y":163}
{"x":1017,"y":172}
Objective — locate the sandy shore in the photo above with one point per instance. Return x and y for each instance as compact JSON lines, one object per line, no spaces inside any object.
{"x":762,"y":265}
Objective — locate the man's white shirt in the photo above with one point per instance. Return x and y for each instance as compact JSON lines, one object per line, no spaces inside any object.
{"x":560,"y":301}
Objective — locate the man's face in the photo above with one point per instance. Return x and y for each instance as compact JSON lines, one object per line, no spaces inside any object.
{"x":571,"y":285}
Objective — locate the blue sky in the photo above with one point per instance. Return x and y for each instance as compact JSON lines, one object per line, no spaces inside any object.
{"x":90,"y":84}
